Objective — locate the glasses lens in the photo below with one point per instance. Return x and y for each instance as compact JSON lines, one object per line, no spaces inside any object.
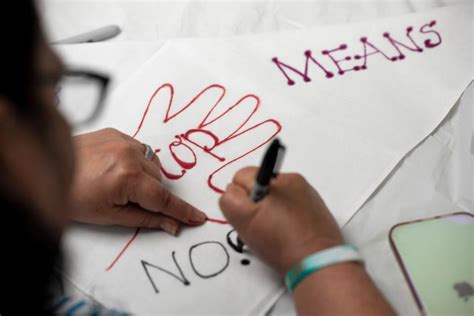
{"x":78,"y":98}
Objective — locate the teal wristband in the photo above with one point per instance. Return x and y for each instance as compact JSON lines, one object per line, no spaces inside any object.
{"x":319,"y":260}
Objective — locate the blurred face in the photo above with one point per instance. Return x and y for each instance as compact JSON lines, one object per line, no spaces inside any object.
{"x":39,"y":161}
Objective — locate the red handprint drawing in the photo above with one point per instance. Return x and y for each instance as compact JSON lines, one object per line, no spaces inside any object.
{"x":220,"y":134}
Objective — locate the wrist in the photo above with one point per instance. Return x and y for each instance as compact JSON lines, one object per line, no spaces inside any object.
{"x":306,"y":249}
{"x":331,"y":274}
{"x":320,"y":260}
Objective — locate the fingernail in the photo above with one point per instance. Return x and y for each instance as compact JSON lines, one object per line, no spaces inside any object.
{"x":198,"y":217}
{"x":171,"y":229}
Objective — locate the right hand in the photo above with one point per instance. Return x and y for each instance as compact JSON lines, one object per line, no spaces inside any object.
{"x":289,"y":224}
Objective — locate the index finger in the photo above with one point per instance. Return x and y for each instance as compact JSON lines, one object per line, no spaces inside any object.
{"x":245,"y":178}
{"x":236,"y":205}
{"x":150,"y":194}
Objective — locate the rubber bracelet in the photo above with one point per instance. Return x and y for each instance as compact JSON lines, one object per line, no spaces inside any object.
{"x":319,"y":260}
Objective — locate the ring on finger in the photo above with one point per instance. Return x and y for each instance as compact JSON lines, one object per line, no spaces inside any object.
{"x":149,"y":152}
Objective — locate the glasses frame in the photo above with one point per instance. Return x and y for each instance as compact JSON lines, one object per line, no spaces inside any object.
{"x":103,"y":82}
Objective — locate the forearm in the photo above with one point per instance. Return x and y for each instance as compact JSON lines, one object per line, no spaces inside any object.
{"x":341,"y":289}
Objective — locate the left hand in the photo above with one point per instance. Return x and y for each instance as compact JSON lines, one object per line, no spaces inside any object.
{"x":115,"y":185}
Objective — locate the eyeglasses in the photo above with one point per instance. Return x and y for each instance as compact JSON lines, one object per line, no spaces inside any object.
{"x":80,"y":95}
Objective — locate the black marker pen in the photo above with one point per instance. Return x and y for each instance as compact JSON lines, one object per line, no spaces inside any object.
{"x":269,"y":169}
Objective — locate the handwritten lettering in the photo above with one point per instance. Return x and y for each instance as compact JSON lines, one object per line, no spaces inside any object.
{"x":146,"y":266}
{"x":232,"y":242}
{"x":306,"y":78}
{"x":408,"y":44}
{"x":135,"y":235}
{"x":219,"y":248}
{"x":426,"y":29}
{"x":397,"y":44}
{"x":195,"y":261}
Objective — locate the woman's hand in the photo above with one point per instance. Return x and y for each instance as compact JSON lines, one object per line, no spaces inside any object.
{"x":289,"y":224}
{"x":115,"y":185}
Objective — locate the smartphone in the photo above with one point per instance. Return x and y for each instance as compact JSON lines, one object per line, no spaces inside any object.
{"x":436,"y":258}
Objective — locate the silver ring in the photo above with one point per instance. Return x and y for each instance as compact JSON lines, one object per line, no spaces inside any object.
{"x":149,"y":152}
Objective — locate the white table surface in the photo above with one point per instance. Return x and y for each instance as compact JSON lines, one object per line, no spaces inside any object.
{"x":435,"y":178}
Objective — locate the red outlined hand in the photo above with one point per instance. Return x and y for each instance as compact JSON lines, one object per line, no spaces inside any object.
{"x":216,"y":129}
{"x":221,"y":133}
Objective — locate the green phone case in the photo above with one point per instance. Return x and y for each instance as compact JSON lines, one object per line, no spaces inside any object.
{"x":436,"y":257}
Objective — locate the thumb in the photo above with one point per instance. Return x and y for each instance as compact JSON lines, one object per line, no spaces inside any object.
{"x":236,"y":206}
{"x":134,"y":216}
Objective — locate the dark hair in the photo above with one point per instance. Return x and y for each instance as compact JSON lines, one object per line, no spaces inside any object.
{"x":20,"y":35}
{"x":28,"y":250}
